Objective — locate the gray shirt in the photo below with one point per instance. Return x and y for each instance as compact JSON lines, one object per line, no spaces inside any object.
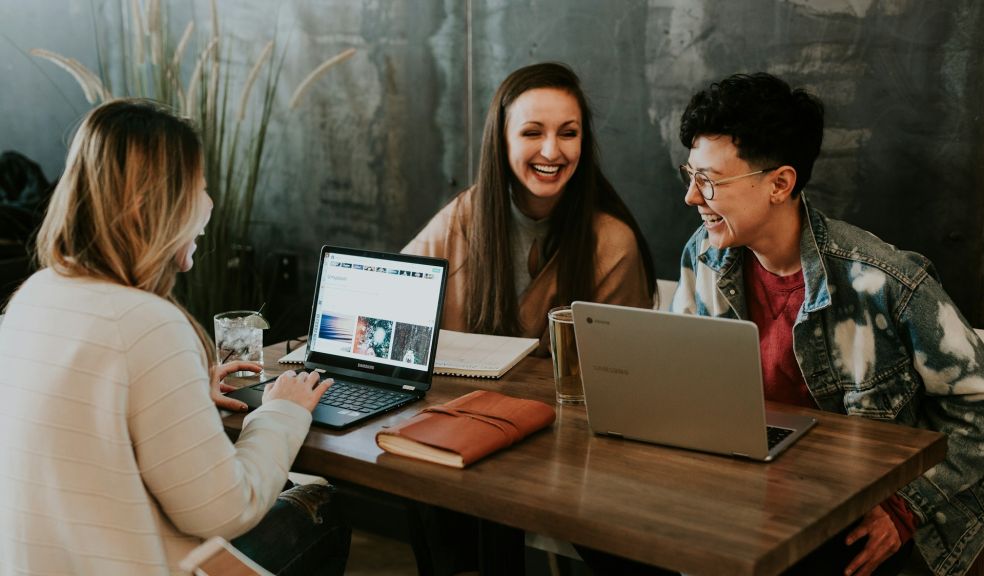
{"x":523,"y":230}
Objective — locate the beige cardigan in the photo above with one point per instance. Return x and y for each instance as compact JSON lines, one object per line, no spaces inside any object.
{"x":113,"y":458}
{"x":620,"y":276}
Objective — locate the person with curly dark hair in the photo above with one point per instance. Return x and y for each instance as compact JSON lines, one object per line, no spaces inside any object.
{"x":847,"y":323}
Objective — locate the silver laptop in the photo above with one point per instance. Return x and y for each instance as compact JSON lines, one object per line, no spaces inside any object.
{"x":687,"y":381}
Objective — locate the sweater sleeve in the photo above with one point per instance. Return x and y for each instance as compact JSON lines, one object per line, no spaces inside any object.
{"x":435,"y":238}
{"x":203,"y":483}
{"x":621,"y":276}
{"x":902,"y":517}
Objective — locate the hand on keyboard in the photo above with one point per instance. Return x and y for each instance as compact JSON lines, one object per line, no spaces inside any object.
{"x":304,"y":388}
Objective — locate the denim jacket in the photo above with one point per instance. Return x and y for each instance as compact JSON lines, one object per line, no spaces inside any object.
{"x":877,"y":337}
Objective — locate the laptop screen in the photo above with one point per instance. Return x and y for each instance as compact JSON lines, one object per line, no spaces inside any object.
{"x":377,"y":313}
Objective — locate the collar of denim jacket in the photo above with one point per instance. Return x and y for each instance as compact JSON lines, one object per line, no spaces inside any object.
{"x":813,"y":238}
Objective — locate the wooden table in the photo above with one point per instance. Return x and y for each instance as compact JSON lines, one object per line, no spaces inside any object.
{"x":687,"y":511}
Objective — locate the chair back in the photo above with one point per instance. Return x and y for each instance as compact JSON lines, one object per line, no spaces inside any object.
{"x":664,"y":294}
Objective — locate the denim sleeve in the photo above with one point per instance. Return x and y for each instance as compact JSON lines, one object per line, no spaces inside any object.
{"x":685,"y":297}
{"x":949,"y":357}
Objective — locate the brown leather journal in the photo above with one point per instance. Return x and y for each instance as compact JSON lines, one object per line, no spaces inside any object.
{"x":466,"y":429}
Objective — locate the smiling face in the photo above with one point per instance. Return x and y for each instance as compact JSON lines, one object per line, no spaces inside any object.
{"x":740,"y":214}
{"x":543,"y":135}
{"x":185,"y":256}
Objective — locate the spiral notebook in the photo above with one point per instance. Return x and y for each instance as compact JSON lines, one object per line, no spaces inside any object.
{"x":464,"y":354}
{"x":296,"y":356}
{"x":479,"y":355}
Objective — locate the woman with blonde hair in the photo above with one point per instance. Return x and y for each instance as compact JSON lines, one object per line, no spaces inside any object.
{"x":113,"y":458}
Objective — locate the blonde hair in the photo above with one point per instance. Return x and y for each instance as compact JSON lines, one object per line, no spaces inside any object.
{"x":128,"y":201}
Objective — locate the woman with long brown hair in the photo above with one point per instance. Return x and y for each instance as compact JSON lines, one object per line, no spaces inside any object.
{"x":113,"y":457}
{"x":541,"y":226}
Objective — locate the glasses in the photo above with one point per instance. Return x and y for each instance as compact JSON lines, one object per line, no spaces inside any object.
{"x":706,"y":185}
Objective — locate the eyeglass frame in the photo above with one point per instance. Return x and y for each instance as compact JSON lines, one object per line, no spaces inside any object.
{"x":691,"y":173}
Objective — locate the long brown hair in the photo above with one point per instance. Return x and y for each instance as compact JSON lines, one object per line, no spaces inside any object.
{"x":128,"y":201}
{"x":493,"y":306}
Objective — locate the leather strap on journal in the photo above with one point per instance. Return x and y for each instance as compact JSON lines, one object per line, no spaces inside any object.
{"x":509,"y":429}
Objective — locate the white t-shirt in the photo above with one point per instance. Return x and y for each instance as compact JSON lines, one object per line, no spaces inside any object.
{"x":113,"y":458}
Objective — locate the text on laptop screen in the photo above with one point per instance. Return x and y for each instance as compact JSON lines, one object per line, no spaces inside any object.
{"x":376,"y":309}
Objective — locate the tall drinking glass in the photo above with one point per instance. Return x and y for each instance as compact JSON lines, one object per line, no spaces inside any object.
{"x":563,"y":351}
{"x":239,"y":336}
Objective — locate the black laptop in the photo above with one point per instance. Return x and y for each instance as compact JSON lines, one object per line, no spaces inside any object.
{"x":374,"y":328}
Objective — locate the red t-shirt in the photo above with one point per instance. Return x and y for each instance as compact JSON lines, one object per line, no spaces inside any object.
{"x":773,"y":303}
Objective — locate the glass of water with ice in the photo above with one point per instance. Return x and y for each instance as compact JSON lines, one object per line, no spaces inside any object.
{"x":239,"y":336}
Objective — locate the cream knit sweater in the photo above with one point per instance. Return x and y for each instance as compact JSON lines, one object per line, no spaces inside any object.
{"x":113,"y":459}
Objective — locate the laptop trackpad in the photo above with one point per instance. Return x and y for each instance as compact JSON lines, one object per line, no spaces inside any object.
{"x":334,"y":415}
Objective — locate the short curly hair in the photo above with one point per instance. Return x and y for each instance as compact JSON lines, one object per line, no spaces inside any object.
{"x":770,"y":123}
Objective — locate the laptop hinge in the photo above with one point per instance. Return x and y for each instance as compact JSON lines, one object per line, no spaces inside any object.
{"x":610,"y":433}
{"x":408,"y":387}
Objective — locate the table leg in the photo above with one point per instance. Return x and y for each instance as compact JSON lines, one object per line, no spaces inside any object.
{"x":502,"y":550}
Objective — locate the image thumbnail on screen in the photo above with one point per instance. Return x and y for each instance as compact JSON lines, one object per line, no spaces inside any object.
{"x":336,"y":332}
{"x":373,"y":337}
{"x":411,"y":344}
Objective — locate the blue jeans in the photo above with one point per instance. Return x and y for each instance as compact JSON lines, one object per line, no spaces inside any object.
{"x":304,"y":533}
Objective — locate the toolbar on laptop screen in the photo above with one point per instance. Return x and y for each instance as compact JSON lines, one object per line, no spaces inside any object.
{"x":377,"y":309}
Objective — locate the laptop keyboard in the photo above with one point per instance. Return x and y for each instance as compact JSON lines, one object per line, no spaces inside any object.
{"x":357,"y":397}
{"x":360,"y":398}
{"x":776,"y":435}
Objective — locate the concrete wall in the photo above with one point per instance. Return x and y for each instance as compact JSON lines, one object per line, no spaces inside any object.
{"x":40,"y":104}
{"x":388,"y":137}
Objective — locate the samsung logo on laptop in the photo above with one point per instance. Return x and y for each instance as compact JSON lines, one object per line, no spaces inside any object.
{"x":366,"y":366}
{"x":610,"y":370}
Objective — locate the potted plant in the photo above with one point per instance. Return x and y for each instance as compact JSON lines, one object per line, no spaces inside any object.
{"x":233,"y":124}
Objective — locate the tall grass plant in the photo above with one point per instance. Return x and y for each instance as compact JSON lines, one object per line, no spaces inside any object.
{"x":233,"y":118}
